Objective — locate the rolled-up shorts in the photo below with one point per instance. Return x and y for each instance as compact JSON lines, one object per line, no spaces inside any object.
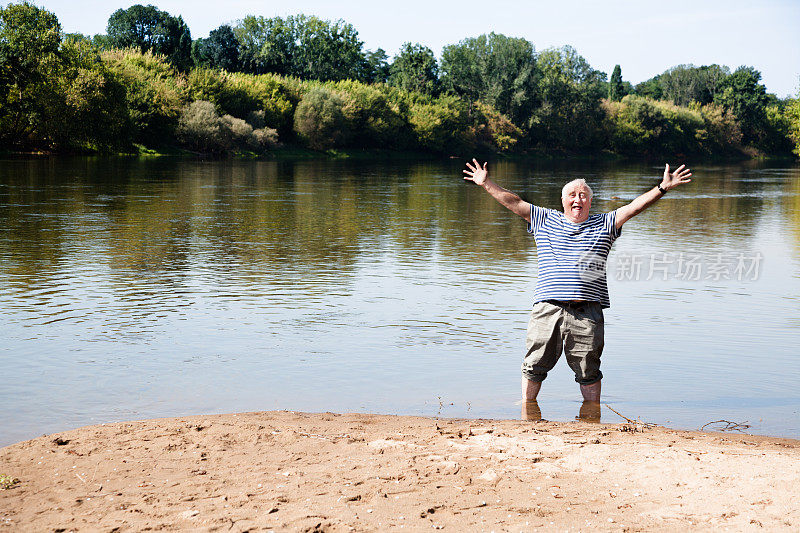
{"x":576,"y":328}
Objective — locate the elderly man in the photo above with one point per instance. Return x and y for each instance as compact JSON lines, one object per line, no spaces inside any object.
{"x":571,"y":290}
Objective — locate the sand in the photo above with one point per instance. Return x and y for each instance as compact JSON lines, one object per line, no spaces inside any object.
{"x":288,"y":471}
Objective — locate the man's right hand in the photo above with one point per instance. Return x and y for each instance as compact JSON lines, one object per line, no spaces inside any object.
{"x":475,"y":173}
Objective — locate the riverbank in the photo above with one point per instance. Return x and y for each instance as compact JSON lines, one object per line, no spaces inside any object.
{"x":342,"y":472}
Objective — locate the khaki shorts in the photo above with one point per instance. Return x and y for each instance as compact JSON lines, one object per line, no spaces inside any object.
{"x":576,"y":328}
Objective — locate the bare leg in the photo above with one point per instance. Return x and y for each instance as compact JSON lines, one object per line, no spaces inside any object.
{"x":591,"y":393}
{"x":530,"y":389}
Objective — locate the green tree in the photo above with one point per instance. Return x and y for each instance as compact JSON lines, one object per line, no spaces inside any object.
{"x":219,"y":50}
{"x":415,"y":69}
{"x":494,"y":69}
{"x":569,"y":115}
{"x":29,"y":63}
{"x":684,"y":84}
{"x":616,"y":90}
{"x":793,"y":117}
{"x":743,"y":95}
{"x":321,"y":119}
{"x":150,"y":29}
{"x":155,"y":93}
{"x":649,"y":89}
{"x":303,"y":46}
{"x":377,"y":66}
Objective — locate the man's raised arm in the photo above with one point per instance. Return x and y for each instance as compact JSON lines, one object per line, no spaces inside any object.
{"x":669,"y":181}
{"x":480,"y":176}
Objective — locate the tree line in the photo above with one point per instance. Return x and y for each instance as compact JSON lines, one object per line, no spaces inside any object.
{"x":301,"y":80}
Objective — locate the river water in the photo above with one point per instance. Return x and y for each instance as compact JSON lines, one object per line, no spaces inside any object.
{"x":141,"y":288}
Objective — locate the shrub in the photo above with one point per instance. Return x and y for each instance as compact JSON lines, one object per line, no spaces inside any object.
{"x":242,"y":94}
{"x":156,"y":93}
{"x":321,"y":120}
{"x":792,"y":113}
{"x":441,"y":124}
{"x":376,"y":120}
{"x":721,"y":132}
{"x":493,"y":130}
{"x":201,"y":128}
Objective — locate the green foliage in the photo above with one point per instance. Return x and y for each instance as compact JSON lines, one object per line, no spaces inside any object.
{"x":639,"y":125}
{"x":201,"y":128}
{"x":792,"y":113}
{"x":415,"y":69}
{"x":93,"y":113}
{"x":743,"y":95}
{"x":29,"y":63}
{"x":375,"y":120}
{"x":721,"y":133}
{"x":684,"y":84}
{"x":776,"y":134}
{"x":241,"y":94}
{"x":649,"y":89}
{"x":376,"y":66}
{"x":322,"y":119}
{"x":497,"y":70}
{"x":616,"y":90}
{"x":303,"y":46}
{"x":494,"y":131}
{"x":441,"y":124}
{"x":219,"y":51}
{"x":156,"y":93}
{"x":569,"y":116}
{"x":149,"y":29}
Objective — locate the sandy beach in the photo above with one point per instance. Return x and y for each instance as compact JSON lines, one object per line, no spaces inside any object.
{"x":290,"y":471}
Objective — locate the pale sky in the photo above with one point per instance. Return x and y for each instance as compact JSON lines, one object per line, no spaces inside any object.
{"x":645,"y":37}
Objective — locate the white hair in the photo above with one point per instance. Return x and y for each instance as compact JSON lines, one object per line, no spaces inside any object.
{"x":579,"y":181}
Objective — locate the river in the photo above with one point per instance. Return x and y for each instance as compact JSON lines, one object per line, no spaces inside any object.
{"x":150,"y":287}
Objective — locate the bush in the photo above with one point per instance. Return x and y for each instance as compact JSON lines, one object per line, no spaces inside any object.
{"x":792,"y":113}
{"x":441,"y":124}
{"x":93,"y":112}
{"x":644,"y":126}
{"x":493,"y":130}
{"x":201,"y":128}
{"x":242,"y":94}
{"x":156,"y":93}
{"x":377,"y":122}
{"x":321,"y":119}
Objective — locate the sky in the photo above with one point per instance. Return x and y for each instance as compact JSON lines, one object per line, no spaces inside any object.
{"x":644,"y":37}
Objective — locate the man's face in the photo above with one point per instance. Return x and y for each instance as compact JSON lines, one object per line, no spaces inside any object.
{"x":577,"y":202}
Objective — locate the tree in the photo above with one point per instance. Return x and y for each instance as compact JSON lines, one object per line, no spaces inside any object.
{"x":415,"y":69}
{"x":743,"y":95}
{"x":792,"y":113}
{"x":320,"y":119}
{"x":649,"y":88}
{"x":303,"y":46}
{"x":569,"y":115}
{"x":149,"y":29}
{"x":377,"y":66}
{"x":220,"y":50}
{"x":494,"y":69}
{"x":684,"y":84}
{"x":616,"y":90}
{"x":29,"y":61}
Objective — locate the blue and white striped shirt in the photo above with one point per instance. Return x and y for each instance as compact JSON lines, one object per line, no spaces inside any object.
{"x":572,"y":257}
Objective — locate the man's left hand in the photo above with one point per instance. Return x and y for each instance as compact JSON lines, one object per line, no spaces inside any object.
{"x":680,"y":176}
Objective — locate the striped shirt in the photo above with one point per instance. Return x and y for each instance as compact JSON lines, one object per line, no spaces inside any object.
{"x":572,"y":257}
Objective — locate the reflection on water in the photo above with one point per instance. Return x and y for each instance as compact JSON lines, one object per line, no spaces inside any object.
{"x":134,"y":288}
{"x":588,"y":412}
